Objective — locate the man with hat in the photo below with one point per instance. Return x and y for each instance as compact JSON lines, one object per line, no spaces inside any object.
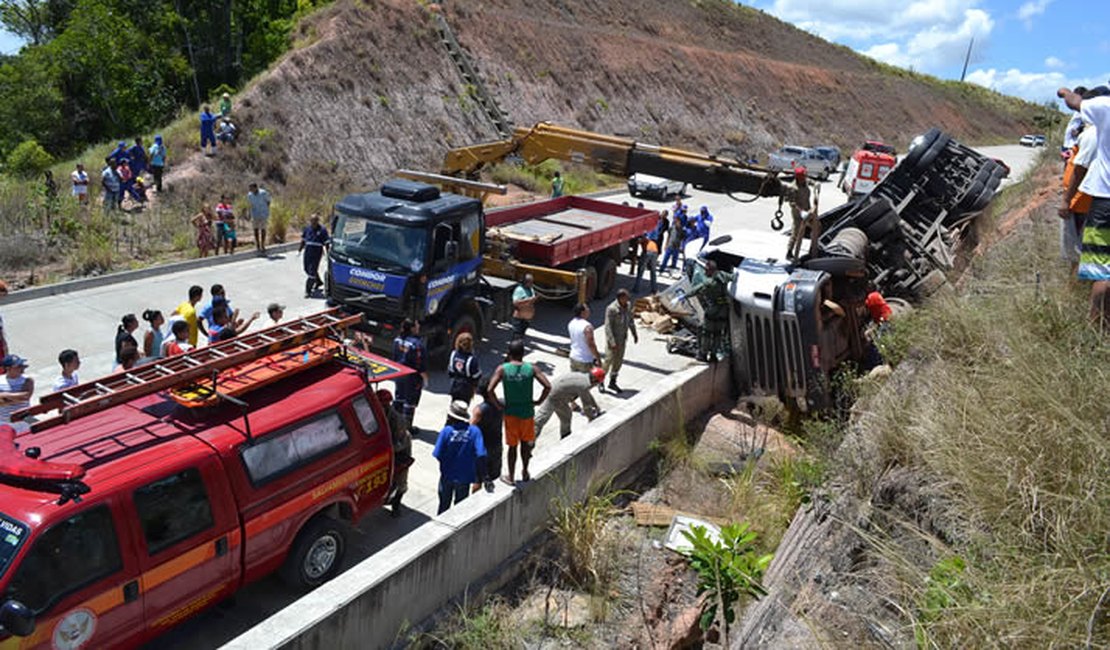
{"x":15,"y":391}
{"x":804,"y":213}
{"x":567,"y":388}
{"x":712,"y":289}
{"x":458,"y":448}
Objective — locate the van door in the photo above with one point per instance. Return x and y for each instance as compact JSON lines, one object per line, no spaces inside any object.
{"x":80,"y":577}
{"x":187,"y":528}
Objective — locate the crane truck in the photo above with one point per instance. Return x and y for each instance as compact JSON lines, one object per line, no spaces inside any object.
{"x":793,"y":321}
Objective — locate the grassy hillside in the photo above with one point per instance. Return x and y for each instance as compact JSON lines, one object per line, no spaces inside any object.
{"x":368,"y":88}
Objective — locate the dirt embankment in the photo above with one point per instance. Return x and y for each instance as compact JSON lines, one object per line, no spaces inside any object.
{"x":370,"y":88}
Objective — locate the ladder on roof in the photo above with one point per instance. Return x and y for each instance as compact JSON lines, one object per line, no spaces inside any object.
{"x":169,"y":372}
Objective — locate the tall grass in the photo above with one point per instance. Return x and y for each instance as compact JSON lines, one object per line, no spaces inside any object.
{"x":1008,"y":411}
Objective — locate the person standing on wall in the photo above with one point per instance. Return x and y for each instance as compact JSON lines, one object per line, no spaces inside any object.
{"x":489,"y":417}
{"x":314,"y":240}
{"x":619,"y":322}
{"x":459,"y":450}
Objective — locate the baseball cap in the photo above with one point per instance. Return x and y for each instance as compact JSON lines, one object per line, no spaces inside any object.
{"x":458,"y":411}
{"x":14,"y":360}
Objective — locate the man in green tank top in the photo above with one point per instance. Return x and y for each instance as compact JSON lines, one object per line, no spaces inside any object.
{"x":519,"y":407}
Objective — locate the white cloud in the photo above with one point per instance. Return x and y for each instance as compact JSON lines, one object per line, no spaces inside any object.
{"x":1030,"y":10}
{"x":1034,"y":86}
{"x":927,"y":35}
{"x":1054,"y":63}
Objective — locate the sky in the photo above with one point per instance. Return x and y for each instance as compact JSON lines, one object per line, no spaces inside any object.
{"x":1027,"y":48}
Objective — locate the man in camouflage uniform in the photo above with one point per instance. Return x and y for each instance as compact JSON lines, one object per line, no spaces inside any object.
{"x":712,"y":290}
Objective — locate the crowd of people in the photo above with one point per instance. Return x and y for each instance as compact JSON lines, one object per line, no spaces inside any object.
{"x":192,"y":323}
{"x":216,"y":230}
{"x":1085,"y":209}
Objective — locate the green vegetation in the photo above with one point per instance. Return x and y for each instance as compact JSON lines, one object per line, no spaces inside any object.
{"x":490,"y":626}
{"x":728,"y":569}
{"x":537,"y":178}
{"x":590,"y":555}
{"x":28,"y":159}
{"x":94,"y":70}
{"x":1006,"y":414}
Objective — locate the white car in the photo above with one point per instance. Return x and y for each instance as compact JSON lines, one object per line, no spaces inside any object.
{"x":789,"y":157}
{"x":1028,"y":141}
{"x":656,"y":186}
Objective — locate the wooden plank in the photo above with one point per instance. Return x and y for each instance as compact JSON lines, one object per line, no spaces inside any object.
{"x":650,"y":514}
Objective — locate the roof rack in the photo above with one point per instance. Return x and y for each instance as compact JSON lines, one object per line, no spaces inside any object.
{"x":185,"y":369}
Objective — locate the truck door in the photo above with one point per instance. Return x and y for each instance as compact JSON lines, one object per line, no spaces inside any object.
{"x":80,"y":578}
{"x":187,"y":527}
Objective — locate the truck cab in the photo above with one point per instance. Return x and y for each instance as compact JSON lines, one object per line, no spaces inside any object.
{"x":118,"y":525}
{"x":409,"y":250}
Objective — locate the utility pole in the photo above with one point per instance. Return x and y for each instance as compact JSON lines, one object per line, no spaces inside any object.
{"x":967,"y":59}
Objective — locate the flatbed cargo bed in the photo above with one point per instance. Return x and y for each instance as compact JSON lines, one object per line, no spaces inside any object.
{"x":559,"y":231}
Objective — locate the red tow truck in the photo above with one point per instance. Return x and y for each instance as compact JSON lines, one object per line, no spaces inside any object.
{"x":143,"y":498}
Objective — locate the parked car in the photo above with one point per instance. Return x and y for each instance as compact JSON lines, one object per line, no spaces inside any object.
{"x":1028,"y":140}
{"x":1038,"y":141}
{"x":831,"y":154}
{"x":648,"y":185}
{"x":790,"y":156}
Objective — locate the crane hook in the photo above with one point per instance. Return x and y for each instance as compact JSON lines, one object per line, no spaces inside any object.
{"x":776,"y":221}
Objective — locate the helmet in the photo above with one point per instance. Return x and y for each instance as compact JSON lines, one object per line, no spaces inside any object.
{"x":800,"y":172}
{"x":597,"y":373}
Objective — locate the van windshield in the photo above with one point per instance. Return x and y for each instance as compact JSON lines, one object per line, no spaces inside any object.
{"x":383,"y":245}
{"x":12,"y":534}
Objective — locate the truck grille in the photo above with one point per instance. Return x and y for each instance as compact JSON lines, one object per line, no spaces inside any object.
{"x":389,"y":307}
{"x":774,"y":355}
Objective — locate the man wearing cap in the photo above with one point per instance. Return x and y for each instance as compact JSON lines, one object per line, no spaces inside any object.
{"x":458,"y":448}
{"x":801,"y":209}
{"x":567,"y":388}
{"x":619,"y":323}
{"x":314,"y":239}
{"x":225,"y":105}
{"x":714,"y":295}
{"x":1094,"y":256}
{"x":15,"y":391}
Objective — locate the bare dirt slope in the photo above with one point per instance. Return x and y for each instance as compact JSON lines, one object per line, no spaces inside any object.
{"x":370,"y":88}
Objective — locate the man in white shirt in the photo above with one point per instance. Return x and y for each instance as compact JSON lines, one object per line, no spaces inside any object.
{"x":583,"y":348}
{"x":1094,"y":257}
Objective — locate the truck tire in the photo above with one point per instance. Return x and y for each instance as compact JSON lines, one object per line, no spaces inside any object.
{"x":971,"y":197}
{"x":591,"y":283}
{"x":606,"y":276}
{"x":849,"y":243}
{"x":930,"y":155}
{"x":316,"y":554}
{"x":927,"y":140}
{"x":873,"y":212}
{"x":882,"y":227}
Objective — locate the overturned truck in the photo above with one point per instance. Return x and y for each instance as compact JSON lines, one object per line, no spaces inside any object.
{"x":794,"y":322}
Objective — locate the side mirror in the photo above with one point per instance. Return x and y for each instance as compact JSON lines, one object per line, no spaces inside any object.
{"x":452,"y":250}
{"x":16,"y":618}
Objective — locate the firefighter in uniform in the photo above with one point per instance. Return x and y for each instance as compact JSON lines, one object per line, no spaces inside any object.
{"x":712,"y":290}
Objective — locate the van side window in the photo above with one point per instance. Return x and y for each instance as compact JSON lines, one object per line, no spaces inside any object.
{"x":172,"y":509}
{"x":275,"y":455}
{"x":71,"y":555}
{"x":365,"y":415}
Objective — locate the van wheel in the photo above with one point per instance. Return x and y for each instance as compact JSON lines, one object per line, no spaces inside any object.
{"x":606,"y":276}
{"x":316,"y":554}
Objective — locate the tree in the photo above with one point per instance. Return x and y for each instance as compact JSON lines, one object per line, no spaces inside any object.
{"x":28,"y":159}
{"x":36,"y":21}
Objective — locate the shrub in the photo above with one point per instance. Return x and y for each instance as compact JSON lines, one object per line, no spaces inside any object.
{"x":728,"y":569}
{"x":28,"y":159}
{"x":590,"y":554}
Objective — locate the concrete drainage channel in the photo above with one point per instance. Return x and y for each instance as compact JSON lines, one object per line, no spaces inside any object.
{"x":412,"y":578}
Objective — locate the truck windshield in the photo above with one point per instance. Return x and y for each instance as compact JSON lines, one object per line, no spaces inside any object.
{"x":379,"y":244}
{"x":12,"y":534}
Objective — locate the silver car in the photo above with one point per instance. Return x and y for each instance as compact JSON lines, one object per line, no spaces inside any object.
{"x":789,"y":157}
{"x":655,"y":186}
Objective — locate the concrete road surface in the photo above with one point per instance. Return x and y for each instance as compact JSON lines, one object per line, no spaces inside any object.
{"x":86,"y":321}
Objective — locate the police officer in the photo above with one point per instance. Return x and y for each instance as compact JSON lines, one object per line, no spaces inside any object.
{"x":313,"y":240}
{"x":712,"y":290}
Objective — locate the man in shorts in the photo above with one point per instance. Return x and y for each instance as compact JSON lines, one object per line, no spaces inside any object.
{"x":258,"y":205}
{"x":519,"y":407}
{"x":1094,"y":255}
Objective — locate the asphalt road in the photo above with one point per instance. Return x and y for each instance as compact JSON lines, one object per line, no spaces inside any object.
{"x":86,"y":321}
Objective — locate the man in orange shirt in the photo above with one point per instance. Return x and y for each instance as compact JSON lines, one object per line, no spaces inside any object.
{"x":649,"y":257}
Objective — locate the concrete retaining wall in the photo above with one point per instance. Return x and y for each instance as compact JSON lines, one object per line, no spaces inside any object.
{"x":412,"y":578}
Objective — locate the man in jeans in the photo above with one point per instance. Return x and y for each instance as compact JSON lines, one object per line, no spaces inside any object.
{"x":258,"y":206}
{"x":649,"y":257}
{"x":519,"y":407}
{"x":458,"y":448}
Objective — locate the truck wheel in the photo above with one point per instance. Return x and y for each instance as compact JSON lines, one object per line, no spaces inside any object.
{"x":927,"y":140}
{"x":316,"y":554}
{"x":873,"y":212}
{"x":931,"y":153}
{"x":885,"y":225}
{"x":591,"y":283}
{"x":465,"y":323}
{"x":606,"y":276}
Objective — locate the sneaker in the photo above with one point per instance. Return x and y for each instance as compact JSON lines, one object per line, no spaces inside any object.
{"x":615,"y":388}
{"x":489,"y":486}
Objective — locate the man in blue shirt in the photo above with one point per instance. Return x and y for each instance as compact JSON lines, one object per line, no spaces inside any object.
{"x":157,"y":161}
{"x":314,"y":238}
{"x":408,"y":349}
{"x":458,"y":448}
{"x":219,"y":296}
{"x":207,"y":131}
{"x":137,"y":155}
